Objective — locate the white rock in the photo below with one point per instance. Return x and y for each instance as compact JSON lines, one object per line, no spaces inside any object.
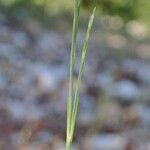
{"x":136,"y":29}
{"x":106,"y":142}
{"x":23,"y":110}
{"x":48,"y":78}
{"x":140,"y":68}
{"x":126,"y":89}
{"x":105,"y":80}
{"x":87,"y":111}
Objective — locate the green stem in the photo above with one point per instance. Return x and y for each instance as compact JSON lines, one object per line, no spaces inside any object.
{"x":73,"y":97}
{"x":68,"y":145}
{"x":72,"y":62}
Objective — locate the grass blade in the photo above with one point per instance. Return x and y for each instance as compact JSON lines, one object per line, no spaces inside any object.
{"x":72,"y":61}
{"x":82,"y":62}
{"x":73,"y":97}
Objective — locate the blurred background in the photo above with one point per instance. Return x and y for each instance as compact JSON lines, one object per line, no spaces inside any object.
{"x":35,"y":38}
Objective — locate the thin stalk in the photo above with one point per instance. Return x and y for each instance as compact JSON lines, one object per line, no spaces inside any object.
{"x":68,"y":145}
{"x":72,"y":61}
{"x":78,"y":82}
{"x":73,"y":97}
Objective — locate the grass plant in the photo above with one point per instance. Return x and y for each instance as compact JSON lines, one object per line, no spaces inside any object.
{"x":74,"y":87}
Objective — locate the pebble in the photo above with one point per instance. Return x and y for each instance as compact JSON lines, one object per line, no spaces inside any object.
{"x":23,"y":110}
{"x":48,"y":78}
{"x":105,"y":142}
{"x":87,"y":111}
{"x":105,"y":81}
{"x":126,"y":90}
{"x":136,"y":29}
{"x":138,"y":67}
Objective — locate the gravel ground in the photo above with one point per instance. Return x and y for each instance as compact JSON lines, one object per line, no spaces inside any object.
{"x":114,"y":106}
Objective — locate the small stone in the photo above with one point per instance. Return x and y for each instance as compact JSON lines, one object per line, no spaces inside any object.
{"x":105,"y":80}
{"x":105,"y":142}
{"x":87,"y":111}
{"x":136,"y":29}
{"x":140,"y":68}
{"x":44,"y":136}
{"x":24,"y":110}
{"x":126,"y":90}
{"x":47,"y":79}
